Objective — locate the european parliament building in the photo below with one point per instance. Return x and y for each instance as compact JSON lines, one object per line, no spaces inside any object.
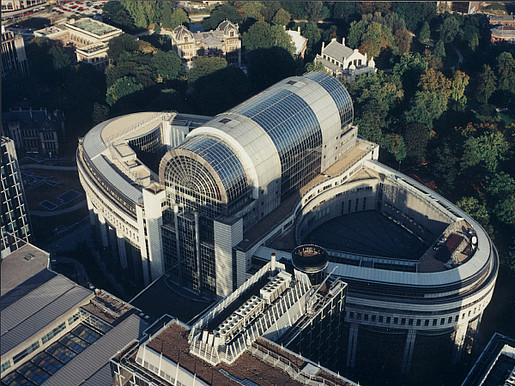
{"x":207,"y":200}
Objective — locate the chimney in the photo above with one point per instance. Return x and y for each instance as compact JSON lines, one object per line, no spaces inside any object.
{"x":273,"y":261}
{"x":298,"y":29}
{"x":323,"y":46}
{"x":333,"y":40}
{"x":343,"y":41}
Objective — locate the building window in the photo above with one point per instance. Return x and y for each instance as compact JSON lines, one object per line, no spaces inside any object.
{"x":442,"y":321}
{"x":449,"y":320}
{"x":435,"y":321}
{"x":388,"y":319}
{"x":5,"y":366}
{"x":419,"y":322}
{"x":403,"y":321}
{"x":33,"y":347}
{"x":53,"y":333}
{"x":395,"y":320}
{"x":410,"y":322}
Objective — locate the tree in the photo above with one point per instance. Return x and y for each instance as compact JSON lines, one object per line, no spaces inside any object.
{"x":416,"y":136}
{"x":167,"y":64}
{"x":439,"y":49}
{"x":476,"y":209}
{"x":204,"y":66}
{"x":426,"y":107}
{"x":449,"y":29}
{"x":402,"y":39}
{"x":425,"y":32}
{"x":121,"y":88}
{"x":121,"y":44}
{"x":434,"y":81}
{"x":114,"y":13}
{"x":415,"y":13}
{"x":459,"y":83}
{"x":311,"y":31}
{"x":281,"y":17}
{"x":259,"y":35}
{"x":486,"y":150}
{"x":344,"y":10}
{"x":315,"y":66}
{"x":314,"y":10}
{"x":445,"y":166}
{"x":60,"y":60}
{"x":394,"y":144}
{"x":504,"y":68}
{"x":252,"y":10}
{"x":221,"y":13}
{"x":179,"y":16}
{"x":262,"y":35}
{"x":375,"y":39}
{"x":357,"y":29}
{"x":486,"y":84}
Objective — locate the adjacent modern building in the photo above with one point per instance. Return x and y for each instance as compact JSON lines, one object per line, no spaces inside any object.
{"x":89,"y":37}
{"x":55,"y":331}
{"x":244,"y":339}
{"x":14,"y":58}
{"x":11,"y":5}
{"x":35,"y":132}
{"x":495,"y":365}
{"x":15,"y":226}
{"x":344,"y":62}
{"x":224,"y":42}
{"x":207,"y":200}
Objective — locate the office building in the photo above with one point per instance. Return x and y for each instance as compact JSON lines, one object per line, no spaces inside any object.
{"x":495,"y":365}
{"x":34,"y":132}
{"x":55,"y":331}
{"x":207,"y":200}
{"x":14,"y":58}
{"x":244,"y":338}
{"x":89,"y":37}
{"x":15,"y":217}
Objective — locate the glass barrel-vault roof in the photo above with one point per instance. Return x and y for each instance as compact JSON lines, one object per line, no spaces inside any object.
{"x":294,"y":129}
{"x":339,"y":94}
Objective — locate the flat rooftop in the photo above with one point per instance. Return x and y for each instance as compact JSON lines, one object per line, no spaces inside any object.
{"x":94,"y":27}
{"x":108,"y":308}
{"x":172,"y":342}
{"x":23,"y":271}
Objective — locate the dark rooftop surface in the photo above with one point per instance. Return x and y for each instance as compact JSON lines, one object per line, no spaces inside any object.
{"x":367,"y":233}
{"x":108,"y":308}
{"x":23,"y":271}
{"x":173,"y":343}
{"x":163,"y":297}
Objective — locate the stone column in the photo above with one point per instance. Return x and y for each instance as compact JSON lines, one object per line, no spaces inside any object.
{"x":459,"y":340}
{"x":122,"y":254}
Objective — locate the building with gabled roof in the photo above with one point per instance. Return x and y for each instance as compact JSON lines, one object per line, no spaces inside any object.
{"x":344,"y":62}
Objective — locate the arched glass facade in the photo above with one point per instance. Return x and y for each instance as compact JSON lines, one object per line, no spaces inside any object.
{"x":295,"y":131}
{"x":339,"y":94}
{"x":194,"y":184}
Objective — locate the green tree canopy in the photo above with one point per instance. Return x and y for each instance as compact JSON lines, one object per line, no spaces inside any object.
{"x":356,"y":31}
{"x":252,"y":10}
{"x":281,"y":17}
{"x":505,"y":71}
{"x":167,"y":64}
{"x":426,"y":107}
{"x":476,"y":209}
{"x":460,"y":81}
{"x":449,"y":28}
{"x":402,"y":39}
{"x":487,"y":150}
{"x":416,"y":137}
{"x":122,"y":87}
{"x":121,"y":44}
{"x":425,"y":32}
{"x":204,"y":66}
{"x":267,"y":66}
{"x":376,"y":38}
{"x":262,"y":35}
{"x":415,"y":13}
{"x":439,"y":49}
{"x":219,"y":14}
{"x":311,"y":31}
{"x":178,"y":17}
{"x":115,"y":13}
{"x":486,"y":84}
{"x":60,"y":60}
